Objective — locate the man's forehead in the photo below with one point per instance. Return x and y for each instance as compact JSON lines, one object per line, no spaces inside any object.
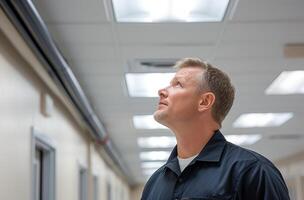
{"x":188,"y":73}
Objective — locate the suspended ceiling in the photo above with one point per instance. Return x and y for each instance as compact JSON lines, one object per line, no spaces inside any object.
{"x":248,"y":45}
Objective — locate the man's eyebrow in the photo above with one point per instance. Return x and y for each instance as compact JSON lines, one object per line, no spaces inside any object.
{"x":175,"y":79}
{"x":180,"y":78}
{"x":172,"y":80}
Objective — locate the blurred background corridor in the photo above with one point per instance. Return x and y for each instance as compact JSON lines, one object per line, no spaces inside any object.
{"x":79,"y":81}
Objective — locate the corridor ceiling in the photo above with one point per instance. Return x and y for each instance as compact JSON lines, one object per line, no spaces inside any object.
{"x":248,"y":44}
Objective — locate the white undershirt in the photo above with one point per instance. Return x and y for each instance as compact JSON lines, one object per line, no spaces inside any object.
{"x":183,"y":163}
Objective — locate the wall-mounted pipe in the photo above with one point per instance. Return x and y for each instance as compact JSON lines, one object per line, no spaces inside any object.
{"x":30,"y":25}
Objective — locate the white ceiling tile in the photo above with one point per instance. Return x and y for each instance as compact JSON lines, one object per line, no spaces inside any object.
{"x":274,"y":32}
{"x":90,"y":52}
{"x":166,"y":52}
{"x":269,"y":10}
{"x":82,"y":33}
{"x":91,"y":67}
{"x":72,"y":11}
{"x":168,"y":34}
{"x":253,"y":50}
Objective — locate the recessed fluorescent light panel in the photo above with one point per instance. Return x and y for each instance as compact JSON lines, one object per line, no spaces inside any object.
{"x":243,"y":139}
{"x":146,"y":122}
{"x":154,"y":155}
{"x":251,"y":120}
{"x":147,"y":84}
{"x":156,"y":142}
{"x":149,"y":172}
{"x":170,"y":10}
{"x":288,"y":82}
{"x":152,"y":165}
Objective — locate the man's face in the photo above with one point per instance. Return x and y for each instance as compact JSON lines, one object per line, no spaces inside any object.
{"x":179,"y":101}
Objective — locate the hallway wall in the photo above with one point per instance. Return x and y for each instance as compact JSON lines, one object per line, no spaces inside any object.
{"x":22,"y":114}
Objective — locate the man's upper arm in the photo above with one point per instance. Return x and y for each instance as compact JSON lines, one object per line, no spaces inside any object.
{"x":262,"y":181}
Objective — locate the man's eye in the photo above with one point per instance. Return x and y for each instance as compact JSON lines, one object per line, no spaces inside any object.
{"x":178,"y":84}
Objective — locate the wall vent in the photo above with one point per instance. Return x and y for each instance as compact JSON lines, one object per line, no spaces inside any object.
{"x":151,"y":65}
{"x":160,"y":64}
{"x":294,"y":50}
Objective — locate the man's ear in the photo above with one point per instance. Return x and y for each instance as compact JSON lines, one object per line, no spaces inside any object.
{"x":206,"y":101}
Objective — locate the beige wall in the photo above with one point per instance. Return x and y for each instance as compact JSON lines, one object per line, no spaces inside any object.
{"x":136,"y":192}
{"x":292,"y":169}
{"x":119,"y":188}
{"x":20,"y":110}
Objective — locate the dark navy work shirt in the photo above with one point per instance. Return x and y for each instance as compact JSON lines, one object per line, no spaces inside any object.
{"x":221,"y":171}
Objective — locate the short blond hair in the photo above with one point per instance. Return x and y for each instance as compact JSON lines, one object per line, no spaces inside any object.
{"x":218,"y":82}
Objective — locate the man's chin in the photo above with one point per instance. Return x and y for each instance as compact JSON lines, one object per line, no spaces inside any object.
{"x":158,"y":116}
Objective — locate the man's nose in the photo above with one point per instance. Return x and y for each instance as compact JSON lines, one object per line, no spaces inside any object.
{"x":163,"y":92}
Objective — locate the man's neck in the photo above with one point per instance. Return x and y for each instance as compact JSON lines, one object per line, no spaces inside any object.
{"x":192,"y":139}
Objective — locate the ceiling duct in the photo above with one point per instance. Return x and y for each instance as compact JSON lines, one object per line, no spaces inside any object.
{"x":294,"y":50}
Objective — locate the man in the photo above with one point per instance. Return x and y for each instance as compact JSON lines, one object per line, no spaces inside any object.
{"x":204,"y":165}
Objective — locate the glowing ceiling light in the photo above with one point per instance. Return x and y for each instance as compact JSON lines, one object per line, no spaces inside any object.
{"x":147,"y":84}
{"x":146,"y":122}
{"x":152,"y":165}
{"x":243,"y":139}
{"x":170,"y":10}
{"x":250,"y":120}
{"x":154,"y":155}
{"x":149,"y":172}
{"x":288,"y":82}
{"x":156,"y":142}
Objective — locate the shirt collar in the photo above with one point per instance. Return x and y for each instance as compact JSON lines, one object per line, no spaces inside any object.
{"x":212,"y":152}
